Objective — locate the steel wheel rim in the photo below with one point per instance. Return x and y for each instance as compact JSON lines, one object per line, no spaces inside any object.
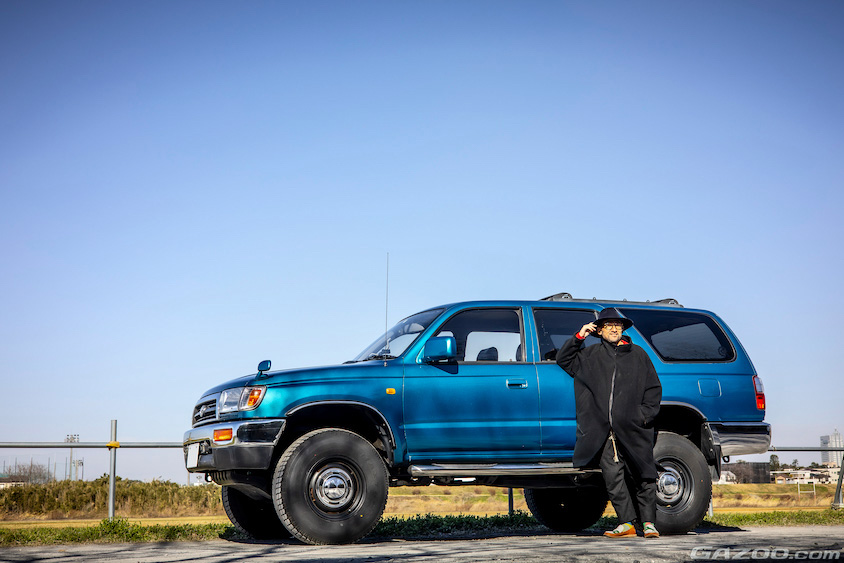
{"x":674,"y":489}
{"x":334,"y":488}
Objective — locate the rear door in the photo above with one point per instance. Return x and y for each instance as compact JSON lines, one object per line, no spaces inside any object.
{"x":554,"y":326}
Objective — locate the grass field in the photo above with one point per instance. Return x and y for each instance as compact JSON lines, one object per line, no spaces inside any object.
{"x":407,"y":502}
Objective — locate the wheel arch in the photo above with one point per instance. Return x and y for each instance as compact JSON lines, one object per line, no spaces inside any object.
{"x":354,"y":416}
{"x":688,"y":421}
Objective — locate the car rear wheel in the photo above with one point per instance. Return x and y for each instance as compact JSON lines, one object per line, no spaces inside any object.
{"x":255,"y":517}
{"x":567,"y":510}
{"x":330,"y":487}
{"x":684,"y":487}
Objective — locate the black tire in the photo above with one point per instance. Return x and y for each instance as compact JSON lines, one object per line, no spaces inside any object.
{"x":330,"y":487}
{"x":567,"y":510}
{"x":254,"y":517}
{"x":684,"y":489}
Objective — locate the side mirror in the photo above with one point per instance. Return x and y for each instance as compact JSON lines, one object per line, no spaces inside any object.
{"x":264,"y":366}
{"x":439,"y":349}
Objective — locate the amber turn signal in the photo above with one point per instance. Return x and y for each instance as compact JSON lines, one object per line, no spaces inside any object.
{"x":223,"y":435}
{"x":254,"y":397}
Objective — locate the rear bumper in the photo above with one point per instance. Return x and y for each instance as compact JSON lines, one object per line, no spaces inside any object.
{"x":251,"y":447}
{"x":736,"y":438}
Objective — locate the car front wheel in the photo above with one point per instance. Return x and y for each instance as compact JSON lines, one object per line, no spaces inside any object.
{"x":330,"y":487}
{"x":254,"y":517}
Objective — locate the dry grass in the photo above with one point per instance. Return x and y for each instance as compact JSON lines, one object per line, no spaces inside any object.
{"x":172,"y":504}
{"x":468,"y":499}
{"x":62,"y":500}
{"x":769,"y":496}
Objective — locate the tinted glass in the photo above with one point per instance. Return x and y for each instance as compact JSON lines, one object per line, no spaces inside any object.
{"x":681,"y":336}
{"x":555,"y":326}
{"x":486,"y":335}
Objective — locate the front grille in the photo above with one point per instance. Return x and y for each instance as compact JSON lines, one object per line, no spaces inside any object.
{"x":204,"y":411}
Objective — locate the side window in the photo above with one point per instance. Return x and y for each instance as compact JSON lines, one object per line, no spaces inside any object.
{"x":486,"y":335}
{"x":682,"y":336}
{"x":555,"y":326}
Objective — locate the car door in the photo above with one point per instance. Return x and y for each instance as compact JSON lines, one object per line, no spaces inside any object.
{"x":484,"y":405}
{"x":554,"y":326}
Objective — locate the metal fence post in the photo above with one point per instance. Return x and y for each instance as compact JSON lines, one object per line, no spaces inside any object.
{"x":510,"y":501}
{"x":837,"y":503}
{"x":112,"y":475}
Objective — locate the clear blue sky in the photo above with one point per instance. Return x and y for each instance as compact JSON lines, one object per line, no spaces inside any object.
{"x":187,"y":188}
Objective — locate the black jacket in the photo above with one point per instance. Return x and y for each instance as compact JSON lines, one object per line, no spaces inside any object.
{"x":622,"y":376}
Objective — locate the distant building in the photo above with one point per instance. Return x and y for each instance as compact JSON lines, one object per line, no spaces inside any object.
{"x":834,"y":440}
{"x":727,"y":478}
{"x":7,"y":481}
{"x":800,"y":477}
{"x":831,"y":473}
{"x":744,"y":472}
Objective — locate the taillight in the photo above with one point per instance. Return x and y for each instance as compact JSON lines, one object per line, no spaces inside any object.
{"x":760,"y":392}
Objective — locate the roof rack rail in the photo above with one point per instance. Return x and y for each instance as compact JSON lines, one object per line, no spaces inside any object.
{"x":670,"y":302}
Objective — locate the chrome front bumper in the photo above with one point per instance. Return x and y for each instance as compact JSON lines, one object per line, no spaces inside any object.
{"x":251,"y":446}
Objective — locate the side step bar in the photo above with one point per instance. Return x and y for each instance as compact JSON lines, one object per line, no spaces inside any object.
{"x":497,"y":469}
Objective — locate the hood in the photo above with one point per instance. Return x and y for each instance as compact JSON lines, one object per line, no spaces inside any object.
{"x":296,"y":375}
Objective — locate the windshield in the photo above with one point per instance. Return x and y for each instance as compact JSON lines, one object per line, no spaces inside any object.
{"x":398,"y":338}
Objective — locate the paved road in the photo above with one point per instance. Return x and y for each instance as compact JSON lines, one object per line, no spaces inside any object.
{"x":749,"y":544}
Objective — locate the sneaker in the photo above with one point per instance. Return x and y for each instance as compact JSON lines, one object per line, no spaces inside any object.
{"x":621,"y":531}
{"x":650,"y":530}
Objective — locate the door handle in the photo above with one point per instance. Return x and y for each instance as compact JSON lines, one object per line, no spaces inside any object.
{"x":516,"y":384}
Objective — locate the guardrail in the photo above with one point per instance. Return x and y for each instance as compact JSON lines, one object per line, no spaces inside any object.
{"x":113,"y":445}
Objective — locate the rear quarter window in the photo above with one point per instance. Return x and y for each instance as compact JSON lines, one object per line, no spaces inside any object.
{"x":682,"y":336}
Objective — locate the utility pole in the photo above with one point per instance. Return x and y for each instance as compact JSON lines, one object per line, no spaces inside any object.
{"x":71,"y":439}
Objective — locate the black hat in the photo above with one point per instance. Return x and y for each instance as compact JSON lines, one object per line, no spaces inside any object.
{"x":612,"y":314}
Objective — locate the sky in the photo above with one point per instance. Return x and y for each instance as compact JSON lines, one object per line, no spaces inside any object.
{"x":188,"y":188}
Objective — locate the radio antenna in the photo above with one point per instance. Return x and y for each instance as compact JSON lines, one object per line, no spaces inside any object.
{"x":387,"y":312}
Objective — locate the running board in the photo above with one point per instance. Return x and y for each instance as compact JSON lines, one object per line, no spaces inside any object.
{"x":496,"y":469}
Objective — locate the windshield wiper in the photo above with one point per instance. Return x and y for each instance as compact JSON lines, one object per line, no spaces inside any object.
{"x":380,"y":357}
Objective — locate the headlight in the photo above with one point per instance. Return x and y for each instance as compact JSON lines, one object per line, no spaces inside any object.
{"x":240,"y":399}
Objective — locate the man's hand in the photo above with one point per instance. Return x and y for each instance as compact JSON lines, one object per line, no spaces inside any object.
{"x":587,"y":329}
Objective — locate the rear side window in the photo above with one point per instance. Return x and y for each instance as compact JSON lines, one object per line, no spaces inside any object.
{"x":555,"y":326}
{"x":682,"y":336}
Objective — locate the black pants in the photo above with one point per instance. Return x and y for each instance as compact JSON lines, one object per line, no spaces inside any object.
{"x":622,"y":485}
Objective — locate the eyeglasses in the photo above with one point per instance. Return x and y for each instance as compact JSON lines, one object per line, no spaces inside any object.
{"x":614,"y":326}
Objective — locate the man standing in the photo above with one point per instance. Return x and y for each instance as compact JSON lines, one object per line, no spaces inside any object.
{"x":617,"y":393}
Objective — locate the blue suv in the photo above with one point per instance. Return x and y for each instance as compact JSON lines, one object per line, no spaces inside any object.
{"x":469,"y":393}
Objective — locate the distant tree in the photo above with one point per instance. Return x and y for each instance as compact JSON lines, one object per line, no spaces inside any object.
{"x":775,"y":462}
{"x":743,"y":472}
{"x":815,"y":465}
{"x":795,"y":464}
{"x":34,"y":473}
